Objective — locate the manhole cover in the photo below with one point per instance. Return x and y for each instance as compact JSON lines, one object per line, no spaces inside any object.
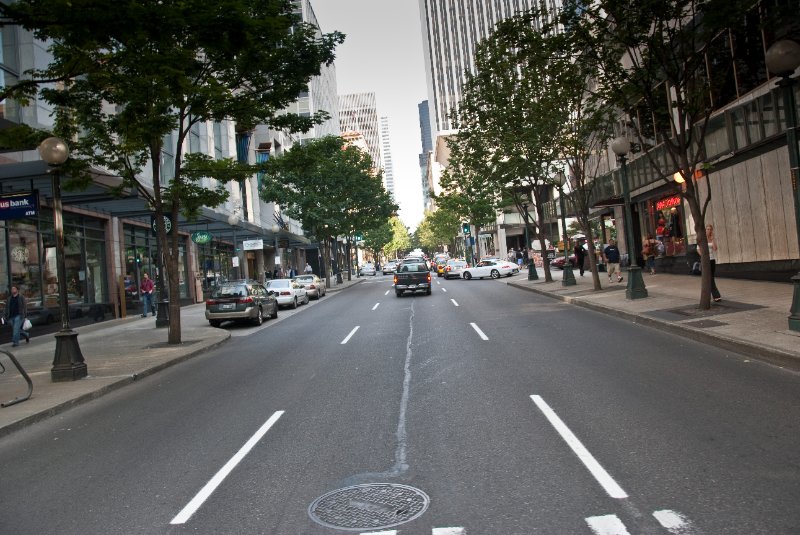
{"x":376,"y":505}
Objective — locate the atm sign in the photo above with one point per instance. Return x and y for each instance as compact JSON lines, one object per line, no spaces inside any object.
{"x":18,"y":206}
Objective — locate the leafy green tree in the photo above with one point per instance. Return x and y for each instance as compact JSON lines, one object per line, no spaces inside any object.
{"x":653,"y":58}
{"x":137,"y":77}
{"x":401,"y":238}
{"x":330,"y":187}
{"x":438,"y":228}
{"x":376,"y":239}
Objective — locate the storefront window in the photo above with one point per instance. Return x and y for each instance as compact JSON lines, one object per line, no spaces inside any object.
{"x":141,"y":256}
{"x":666,"y":218}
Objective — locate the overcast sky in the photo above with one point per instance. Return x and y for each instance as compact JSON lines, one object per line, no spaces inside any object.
{"x":382,"y":54}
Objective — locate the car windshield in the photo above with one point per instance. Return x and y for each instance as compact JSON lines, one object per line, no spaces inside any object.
{"x":238,"y":290}
{"x":305,"y":278}
{"x":278,"y":284}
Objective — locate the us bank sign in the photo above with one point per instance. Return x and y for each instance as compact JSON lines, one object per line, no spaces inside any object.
{"x":18,"y":206}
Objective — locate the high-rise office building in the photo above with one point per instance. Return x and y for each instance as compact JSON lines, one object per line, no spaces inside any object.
{"x":427,"y":147}
{"x":359,"y":113}
{"x":386,"y":150}
{"x":451,"y":31}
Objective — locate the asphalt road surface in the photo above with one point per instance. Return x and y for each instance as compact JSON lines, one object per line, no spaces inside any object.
{"x":481,"y":409}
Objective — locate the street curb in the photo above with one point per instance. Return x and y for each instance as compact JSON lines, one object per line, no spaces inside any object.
{"x":343,"y":286}
{"x":770,"y":355}
{"x":89,"y":396}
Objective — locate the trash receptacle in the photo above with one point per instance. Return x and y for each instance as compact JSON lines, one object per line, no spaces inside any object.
{"x":532,"y":273}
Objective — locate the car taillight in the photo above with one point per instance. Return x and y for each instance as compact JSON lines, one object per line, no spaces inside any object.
{"x":243,"y":300}
{"x":447,"y":268}
{"x":211,"y":302}
{"x":429,"y":277}
{"x":312,"y":287}
{"x":286,"y":293}
{"x":395,"y":279}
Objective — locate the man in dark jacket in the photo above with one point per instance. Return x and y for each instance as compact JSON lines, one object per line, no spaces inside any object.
{"x":16,"y":310}
{"x":611,"y":252}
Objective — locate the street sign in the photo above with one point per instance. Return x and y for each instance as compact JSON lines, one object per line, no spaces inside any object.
{"x":18,"y":206}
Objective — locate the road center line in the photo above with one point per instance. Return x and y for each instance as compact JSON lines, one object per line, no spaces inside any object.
{"x":376,"y":306}
{"x":479,"y":331}
{"x":387,"y":292}
{"x":444,"y":289}
{"x":454,"y":302}
{"x":599,"y":473}
{"x":347,"y":338}
{"x":220,"y":476}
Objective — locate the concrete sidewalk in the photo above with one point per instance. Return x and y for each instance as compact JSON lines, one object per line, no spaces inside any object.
{"x":751,"y":319}
{"x":117,"y":352}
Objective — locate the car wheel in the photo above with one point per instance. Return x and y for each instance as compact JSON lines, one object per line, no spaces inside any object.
{"x":214,"y":323}
{"x":294,"y":303}
{"x":495,"y":274}
{"x":467,"y":275}
{"x":398,"y":294}
{"x":308,"y":299}
{"x":259,"y":319}
{"x":428,"y":292}
{"x":274,"y":311}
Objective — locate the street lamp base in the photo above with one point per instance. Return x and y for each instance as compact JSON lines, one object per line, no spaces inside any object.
{"x":68,"y":364}
{"x":636,"y":288}
{"x":569,"y":277}
{"x":794,"y":312}
{"x":162,"y":317}
{"x":533,"y":275}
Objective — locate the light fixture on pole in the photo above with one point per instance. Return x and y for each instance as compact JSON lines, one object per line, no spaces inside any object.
{"x":569,"y":277}
{"x":635,"y":289}
{"x":68,"y":362}
{"x":233,"y":221}
{"x":783,"y":58}
{"x":532,"y":274}
{"x":275,"y":230}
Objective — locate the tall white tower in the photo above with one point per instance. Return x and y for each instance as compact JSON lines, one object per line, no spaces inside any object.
{"x":386,"y":150}
{"x":359,"y":113}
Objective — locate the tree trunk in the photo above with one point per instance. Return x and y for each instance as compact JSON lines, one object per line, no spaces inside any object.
{"x":587,"y":231}
{"x":172,"y":269}
{"x":702,"y":246}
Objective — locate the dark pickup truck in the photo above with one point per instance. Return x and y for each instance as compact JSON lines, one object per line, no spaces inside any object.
{"x":412,"y":277}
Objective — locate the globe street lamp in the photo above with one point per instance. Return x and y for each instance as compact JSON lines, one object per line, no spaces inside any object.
{"x":635,"y":289}
{"x":783,"y":58}
{"x":568,"y":278}
{"x":68,"y":362}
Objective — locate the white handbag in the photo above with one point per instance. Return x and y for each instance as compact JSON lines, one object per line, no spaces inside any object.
{"x":26,"y":324}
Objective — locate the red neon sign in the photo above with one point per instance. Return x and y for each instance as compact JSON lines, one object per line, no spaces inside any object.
{"x":669,"y":202}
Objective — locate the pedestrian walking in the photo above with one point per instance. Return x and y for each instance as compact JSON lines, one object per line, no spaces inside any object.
{"x":519,"y":258}
{"x":308,"y":270}
{"x":611,"y":254}
{"x":525,"y":257}
{"x":649,"y":250}
{"x":580,"y":256}
{"x":147,"y":288}
{"x":712,"y":256}
{"x":16,"y":311}
{"x":512,"y":255}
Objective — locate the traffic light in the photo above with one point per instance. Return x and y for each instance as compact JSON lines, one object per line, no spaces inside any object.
{"x":466,"y":228}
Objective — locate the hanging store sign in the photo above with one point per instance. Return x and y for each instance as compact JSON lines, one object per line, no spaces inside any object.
{"x":18,"y":206}
{"x":253,"y":245}
{"x":201,"y":237}
{"x":167,"y":224}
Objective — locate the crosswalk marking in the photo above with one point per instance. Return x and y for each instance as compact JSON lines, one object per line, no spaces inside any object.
{"x":607,"y":525}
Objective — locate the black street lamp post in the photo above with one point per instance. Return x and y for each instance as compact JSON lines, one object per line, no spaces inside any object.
{"x":569,"y":277}
{"x":636,"y":288}
{"x":783,"y":58}
{"x":532,"y":274}
{"x":68,"y":362}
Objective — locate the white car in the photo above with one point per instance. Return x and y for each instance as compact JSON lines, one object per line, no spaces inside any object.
{"x":389,"y":267}
{"x":288,"y":292}
{"x":368,"y":269}
{"x":491,"y":268}
{"x":454,"y":269}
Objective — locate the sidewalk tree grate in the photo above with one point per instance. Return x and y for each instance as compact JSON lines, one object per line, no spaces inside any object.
{"x":370,"y":506}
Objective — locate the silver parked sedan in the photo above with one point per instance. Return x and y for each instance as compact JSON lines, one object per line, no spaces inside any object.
{"x":288,"y":292}
{"x":315,"y":287}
